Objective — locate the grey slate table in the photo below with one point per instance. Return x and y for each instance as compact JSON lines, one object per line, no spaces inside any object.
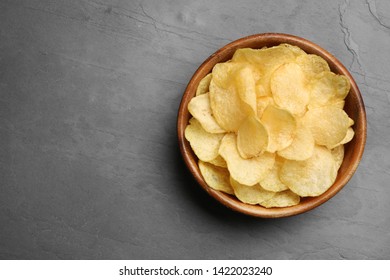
{"x":89,"y":161}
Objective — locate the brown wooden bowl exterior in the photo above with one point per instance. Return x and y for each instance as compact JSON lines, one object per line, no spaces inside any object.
{"x":354,"y":107}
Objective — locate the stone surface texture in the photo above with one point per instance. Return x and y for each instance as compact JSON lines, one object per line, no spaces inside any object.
{"x":89,"y":161}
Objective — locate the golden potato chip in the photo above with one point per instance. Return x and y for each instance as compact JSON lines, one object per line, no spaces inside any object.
{"x":224,"y":74}
{"x":348,"y":137}
{"x":282,"y":199}
{"x":250,"y":194}
{"x":260,"y":90}
{"x":264,"y":61}
{"x":246,"y":171}
{"x":205,"y":145}
{"x":312,"y":64}
{"x":281,"y":127}
{"x":289,"y":89}
{"x":338,"y":155}
{"x":219,"y":161}
{"x":252,"y":137}
{"x":200,"y":109}
{"x":327,"y":124}
{"x":271,"y":182}
{"x":245,"y":85}
{"x":221,"y":74}
{"x":311,"y":177}
{"x":227,"y":107}
{"x":339,"y":103}
{"x":204,"y":84}
{"x":297,"y":51}
{"x":216,"y":177}
{"x":342,"y":86}
{"x":262,"y":103}
{"x":327,"y":87}
{"x":301,"y":147}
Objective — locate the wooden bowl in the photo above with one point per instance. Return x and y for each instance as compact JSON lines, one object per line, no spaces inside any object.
{"x":354,"y":107}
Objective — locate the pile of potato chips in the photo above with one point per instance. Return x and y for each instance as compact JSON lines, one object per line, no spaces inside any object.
{"x":268,"y":126}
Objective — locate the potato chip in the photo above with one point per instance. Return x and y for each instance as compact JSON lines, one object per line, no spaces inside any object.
{"x":264,"y":61}
{"x":262,"y":103}
{"x":245,"y":171}
{"x":204,"y":84}
{"x":217,"y":178}
{"x":339,"y":103}
{"x":260,"y":90}
{"x":348,"y":137}
{"x":219,"y":161}
{"x":289,"y":89}
{"x":281,"y":127}
{"x":328,"y":125}
{"x":301,"y":147}
{"x":282,"y":199}
{"x":224,"y":74}
{"x":200,"y":109}
{"x":205,"y":145}
{"x":245,"y":86}
{"x":338,"y":155}
{"x":221,"y":74}
{"x":311,"y":177}
{"x":297,"y":51}
{"x":271,"y":182}
{"x":327,"y":87}
{"x":267,"y":59}
{"x":250,"y":194}
{"x":342,"y":86}
{"x":252,"y":137}
{"x":312,"y":64}
{"x":227,"y":107}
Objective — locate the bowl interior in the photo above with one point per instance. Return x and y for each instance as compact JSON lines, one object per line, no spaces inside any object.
{"x":354,"y":107}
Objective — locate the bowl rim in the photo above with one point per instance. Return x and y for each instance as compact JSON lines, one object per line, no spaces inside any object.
{"x":225,"y":53}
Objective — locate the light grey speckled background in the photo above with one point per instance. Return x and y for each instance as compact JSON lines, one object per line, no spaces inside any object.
{"x":89,"y":161}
